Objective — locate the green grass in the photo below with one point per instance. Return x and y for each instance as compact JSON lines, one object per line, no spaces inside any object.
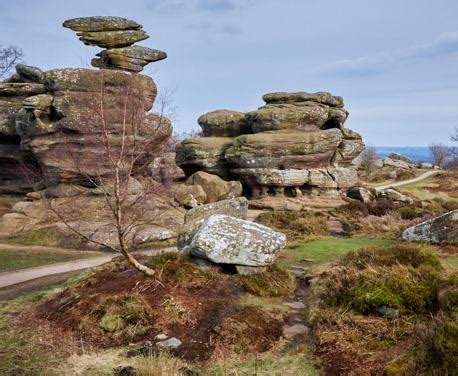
{"x":449,"y":262}
{"x":318,"y":252}
{"x":11,"y":259}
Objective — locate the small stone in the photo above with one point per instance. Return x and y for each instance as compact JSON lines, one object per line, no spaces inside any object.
{"x":161,"y":337}
{"x":294,"y":330}
{"x":171,"y":343}
{"x":295,"y":305}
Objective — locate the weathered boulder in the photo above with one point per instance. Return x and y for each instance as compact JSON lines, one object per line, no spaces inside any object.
{"x":204,"y":154}
{"x":436,"y":231}
{"x":319,"y":97}
{"x":216,"y":188}
{"x":397,"y":163}
{"x":101,"y":23}
{"x":400,"y":157}
{"x":227,"y":240}
{"x":361,"y":194}
{"x":306,"y":116}
{"x":392,"y":194}
{"x":224,"y":123}
{"x":112,"y":38}
{"x":131,"y":59}
{"x":189,"y":196}
{"x":165,"y":169}
{"x":236,"y":207}
{"x":284,"y":149}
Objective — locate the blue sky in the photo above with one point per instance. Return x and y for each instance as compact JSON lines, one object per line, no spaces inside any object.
{"x":393,"y":61}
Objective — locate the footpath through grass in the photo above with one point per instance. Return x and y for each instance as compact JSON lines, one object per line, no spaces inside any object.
{"x":12,"y":259}
{"x":318,"y":252}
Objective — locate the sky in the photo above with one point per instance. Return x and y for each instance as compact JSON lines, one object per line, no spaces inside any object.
{"x":393,"y":61}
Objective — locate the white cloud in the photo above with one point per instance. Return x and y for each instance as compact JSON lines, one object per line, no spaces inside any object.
{"x":445,"y":44}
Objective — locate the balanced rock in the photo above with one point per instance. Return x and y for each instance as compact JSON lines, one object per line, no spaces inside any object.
{"x":227,"y":240}
{"x":224,"y":123}
{"x":101,"y":23}
{"x":436,"y":231}
{"x":131,"y":59}
{"x":216,"y":188}
{"x":116,"y":35}
{"x":106,"y":32}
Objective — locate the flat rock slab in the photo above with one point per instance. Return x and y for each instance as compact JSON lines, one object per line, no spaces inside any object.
{"x":171,"y":343}
{"x":437,"y":230}
{"x":227,"y":240}
{"x":101,"y":23}
{"x":295,"y":305}
{"x":294,"y":330}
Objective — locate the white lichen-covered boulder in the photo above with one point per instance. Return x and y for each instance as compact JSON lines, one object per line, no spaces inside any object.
{"x":437,"y":230}
{"x":227,"y":240}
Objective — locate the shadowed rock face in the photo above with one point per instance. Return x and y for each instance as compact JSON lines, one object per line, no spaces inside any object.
{"x":296,"y":144}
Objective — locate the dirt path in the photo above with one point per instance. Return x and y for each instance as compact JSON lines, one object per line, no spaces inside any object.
{"x":23,"y":275}
{"x":40,"y":248}
{"x":423,"y":176}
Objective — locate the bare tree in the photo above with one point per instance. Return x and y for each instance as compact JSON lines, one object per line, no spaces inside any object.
{"x":9,"y":57}
{"x":368,"y":159}
{"x":440,"y":153}
{"x":126,"y":138}
{"x":454,"y":149}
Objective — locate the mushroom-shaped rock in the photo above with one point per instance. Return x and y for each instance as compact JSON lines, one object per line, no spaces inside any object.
{"x":132,"y":58}
{"x":227,"y":240}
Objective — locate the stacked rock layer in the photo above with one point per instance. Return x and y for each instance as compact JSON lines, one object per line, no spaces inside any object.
{"x":294,"y":146}
{"x":51,"y":123}
{"x":117,"y":36}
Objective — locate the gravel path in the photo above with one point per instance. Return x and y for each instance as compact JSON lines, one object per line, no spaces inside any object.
{"x":23,"y":275}
{"x":423,"y":176}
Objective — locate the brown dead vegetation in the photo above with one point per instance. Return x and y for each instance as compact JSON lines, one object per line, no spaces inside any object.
{"x":118,"y":305}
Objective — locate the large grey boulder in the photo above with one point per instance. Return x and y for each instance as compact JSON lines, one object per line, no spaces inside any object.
{"x":437,"y":230}
{"x":227,"y":240}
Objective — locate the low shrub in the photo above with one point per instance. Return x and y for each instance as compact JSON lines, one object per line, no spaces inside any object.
{"x":275,"y":281}
{"x":296,"y":225}
{"x":158,"y":365}
{"x":124,"y":316}
{"x":403,"y":277}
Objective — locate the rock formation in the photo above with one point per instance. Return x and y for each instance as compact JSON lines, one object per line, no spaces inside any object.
{"x":52,"y":125}
{"x":295,"y":148}
{"x":50,"y":122}
{"x":116,"y":35}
